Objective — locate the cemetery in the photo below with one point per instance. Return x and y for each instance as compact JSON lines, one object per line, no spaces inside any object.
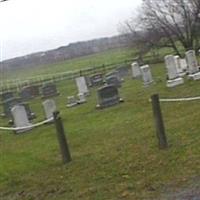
{"x":100,"y":100}
{"x":114,"y":149}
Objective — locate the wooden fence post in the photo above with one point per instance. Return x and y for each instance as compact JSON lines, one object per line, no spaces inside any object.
{"x":66,"y":156}
{"x":160,"y":129}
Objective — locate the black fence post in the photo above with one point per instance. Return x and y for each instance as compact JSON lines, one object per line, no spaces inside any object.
{"x":160,"y":129}
{"x":66,"y":156}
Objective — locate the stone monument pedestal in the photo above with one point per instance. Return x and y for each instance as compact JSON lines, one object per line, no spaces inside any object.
{"x":195,"y":76}
{"x":175,"y":82}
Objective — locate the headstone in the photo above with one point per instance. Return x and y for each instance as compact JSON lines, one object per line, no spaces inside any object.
{"x":193,"y":68}
{"x":113,"y":80}
{"x":97,"y":79}
{"x":108,"y":96}
{"x":192,"y":62}
{"x":88,"y":81}
{"x":20,"y":118}
{"x":49,"y":90}
{"x":8,"y":104}
{"x":172,"y":65}
{"x":81,"y":98}
{"x":6,"y":95}
{"x":82,"y":85}
{"x":183,"y":64}
{"x":71,"y":101}
{"x":31,"y":115}
{"x":146,"y":75}
{"x":26,"y":93}
{"x":123,"y":70}
{"x":180,"y":70}
{"x":136,"y":72}
{"x":35,"y":91}
{"x":49,"y":106}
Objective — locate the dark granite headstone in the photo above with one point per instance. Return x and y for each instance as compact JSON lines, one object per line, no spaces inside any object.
{"x":123,"y":70}
{"x":97,"y":79}
{"x":6,"y":95}
{"x":113,"y":80}
{"x":88,"y":81}
{"x":35,"y":91}
{"x":8,"y":104}
{"x":108,"y":96}
{"x":25,"y":93}
{"x":49,"y":90}
{"x":31,"y":115}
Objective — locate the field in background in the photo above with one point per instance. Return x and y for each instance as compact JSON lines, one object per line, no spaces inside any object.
{"x":107,"y":57}
{"x":114,"y":151}
{"x":95,"y":60}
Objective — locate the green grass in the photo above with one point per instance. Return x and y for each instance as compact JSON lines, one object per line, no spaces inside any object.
{"x":114,"y":151}
{"x":107,"y":57}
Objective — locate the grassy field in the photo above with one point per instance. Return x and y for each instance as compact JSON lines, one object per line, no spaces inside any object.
{"x":107,"y":57}
{"x":114,"y":151}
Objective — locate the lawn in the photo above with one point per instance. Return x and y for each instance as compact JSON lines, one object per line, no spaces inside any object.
{"x":106,"y":57}
{"x":114,"y":151}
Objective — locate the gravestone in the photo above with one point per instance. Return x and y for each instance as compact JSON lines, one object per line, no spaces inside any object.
{"x":31,"y":115}
{"x":193,"y":68}
{"x":8,"y":104}
{"x":108,"y":96}
{"x":82,"y":85}
{"x":49,"y":106}
{"x":26,"y":93}
{"x":88,"y":81}
{"x":171,"y":67}
{"x":71,"y":101}
{"x":113,"y":80}
{"x":136,"y":72}
{"x":34,"y":89}
{"x":180,"y":70}
{"x":146,"y":75}
{"x":173,"y":78}
{"x":20,"y":118}
{"x":183,"y":64}
{"x":6,"y":95}
{"x":97,"y":79}
{"x":49,"y":90}
{"x":81,"y":98}
{"x":123,"y":70}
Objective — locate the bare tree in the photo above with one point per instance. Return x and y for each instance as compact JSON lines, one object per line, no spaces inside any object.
{"x":167,"y":23}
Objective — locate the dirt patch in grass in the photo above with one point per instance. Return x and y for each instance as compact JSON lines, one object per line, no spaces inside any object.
{"x":191,"y":191}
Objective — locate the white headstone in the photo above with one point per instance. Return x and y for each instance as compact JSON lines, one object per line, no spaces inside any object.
{"x":178,"y":64}
{"x":20,"y":118}
{"x":146,"y":74}
{"x":171,"y":67}
{"x":192,"y":62}
{"x":183,"y":64}
{"x":49,"y":108}
{"x":82,"y":85}
{"x":71,"y":101}
{"x":136,"y":73}
{"x":81,"y":98}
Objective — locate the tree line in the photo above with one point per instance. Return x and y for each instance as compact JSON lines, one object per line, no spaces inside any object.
{"x":165,"y":23}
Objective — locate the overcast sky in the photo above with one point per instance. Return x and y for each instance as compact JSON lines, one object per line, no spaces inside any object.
{"x":28,"y":26}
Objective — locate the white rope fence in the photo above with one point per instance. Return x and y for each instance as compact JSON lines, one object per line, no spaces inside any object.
{"x":26,"y":127}
{"x":179,"y":99}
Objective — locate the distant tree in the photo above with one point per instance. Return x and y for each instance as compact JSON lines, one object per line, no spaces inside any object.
{"x":166,"y":23}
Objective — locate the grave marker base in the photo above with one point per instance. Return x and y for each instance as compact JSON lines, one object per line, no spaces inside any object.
{"x":195,"y":76}
{"x":175,"y":82}
{"x":148,"y":83}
